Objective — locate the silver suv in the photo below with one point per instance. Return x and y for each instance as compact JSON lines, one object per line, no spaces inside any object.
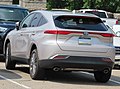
{"x":61,"y":41}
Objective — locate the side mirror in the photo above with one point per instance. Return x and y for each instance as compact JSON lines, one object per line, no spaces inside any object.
{"x":17,"y":25}
{"x":24,"y":25}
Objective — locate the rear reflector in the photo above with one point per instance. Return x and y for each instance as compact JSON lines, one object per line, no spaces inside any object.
{"x":117,"y":22}
{"x":59,"y":57}
{"x":60,"y":32}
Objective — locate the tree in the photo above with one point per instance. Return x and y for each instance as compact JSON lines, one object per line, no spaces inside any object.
{"x":74,"y":4}
{"x":70,"y":4}
{"x":108,"y":5}
{"x":56,"y":4}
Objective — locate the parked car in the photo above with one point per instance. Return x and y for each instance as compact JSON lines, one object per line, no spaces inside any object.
{"x":106,"y":17}
{"x":9,"y":15}
{"x":61,"y":41}
{"x":116,"y":43}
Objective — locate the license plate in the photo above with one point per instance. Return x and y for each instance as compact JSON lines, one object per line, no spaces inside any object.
{"x":84,"y":41}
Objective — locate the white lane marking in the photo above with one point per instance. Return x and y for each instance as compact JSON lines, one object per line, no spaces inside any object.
{"x":15,"y":82}
{"x":117,"y":82}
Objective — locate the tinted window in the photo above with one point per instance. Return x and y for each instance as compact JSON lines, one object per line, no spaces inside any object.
{"x":12,"y":14}
{"x":27,"y":20}
{"x":80,"y":23}
{"x":100,"y":14}
{"x":42,"y":21}
{"x":36,"y":20}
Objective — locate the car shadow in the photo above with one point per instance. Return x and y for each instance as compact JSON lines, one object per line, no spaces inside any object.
{"x":2,"y":59}
{"x":23,"y":69}
{"x":8,"y":74}
{"x":80,"y":78}
{"x":72,"y":78}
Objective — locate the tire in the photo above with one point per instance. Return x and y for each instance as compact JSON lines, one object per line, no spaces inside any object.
{"x":9,"y":63}
{"x":119,"y":66}
{"x":102,"y":77}
{"x":35,"y":71}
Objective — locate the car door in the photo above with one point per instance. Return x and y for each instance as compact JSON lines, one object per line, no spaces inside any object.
{"x":19,"y":41}
{"x":29,"y":33}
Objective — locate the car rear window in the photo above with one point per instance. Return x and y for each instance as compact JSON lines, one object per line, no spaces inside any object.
{"x":79,"y":23}
{"x":100,"y":14}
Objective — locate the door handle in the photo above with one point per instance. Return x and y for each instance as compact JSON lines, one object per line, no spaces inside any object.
{"x":33,"y":34}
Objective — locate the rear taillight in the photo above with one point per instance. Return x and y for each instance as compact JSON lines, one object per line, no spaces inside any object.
{"x":61,"y":32}
{"x":103,"y":34}
{"x":107,"y":35}
{"x":117,"y":22}
{"x":51,"y":32}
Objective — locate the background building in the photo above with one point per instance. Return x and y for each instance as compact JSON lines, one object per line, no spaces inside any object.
{"x":30,"y":4}
{"x":8,"y":2}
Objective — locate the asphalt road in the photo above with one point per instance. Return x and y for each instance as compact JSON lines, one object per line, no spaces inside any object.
{"x":20,"y":79}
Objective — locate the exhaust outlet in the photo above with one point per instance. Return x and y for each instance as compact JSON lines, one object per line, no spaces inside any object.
{"x":106,"y":70}
{"x":56,"y":69}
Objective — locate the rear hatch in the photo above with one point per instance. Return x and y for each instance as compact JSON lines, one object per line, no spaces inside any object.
{"x":82,"y":34}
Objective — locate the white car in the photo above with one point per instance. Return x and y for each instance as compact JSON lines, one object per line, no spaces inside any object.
{"x":61,"y":41}
{"x":104,"y":15}
{"x":116,"y":43}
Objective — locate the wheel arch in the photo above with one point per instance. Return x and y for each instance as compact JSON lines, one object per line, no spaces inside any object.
{"x":33,"y":46}
{"x":5,"y":45}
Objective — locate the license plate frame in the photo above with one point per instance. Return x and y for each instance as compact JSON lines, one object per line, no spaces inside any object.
{"x":84,"y":41}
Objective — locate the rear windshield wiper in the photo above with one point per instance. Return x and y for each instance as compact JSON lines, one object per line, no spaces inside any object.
{"x":2,"y":20}
{"x":13,"y":20}
{"x":9,"y":20}
{"x":75,"y":28}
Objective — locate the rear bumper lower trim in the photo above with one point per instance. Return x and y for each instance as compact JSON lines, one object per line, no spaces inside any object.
{"x":95,"y":63}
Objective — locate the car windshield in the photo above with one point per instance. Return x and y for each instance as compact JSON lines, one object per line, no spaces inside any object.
{"x":100,"y":14}
{"x":80,"y":23}
{"x":12,"y":14}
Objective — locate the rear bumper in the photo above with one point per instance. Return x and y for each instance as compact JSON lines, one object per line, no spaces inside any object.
{"x":94,"y":63}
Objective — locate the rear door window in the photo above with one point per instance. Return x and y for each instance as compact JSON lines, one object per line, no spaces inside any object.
{"x":26,"y":22}
{"x":80,"y":23}
{"x":35,"y":20}
{"x":38,"y":20}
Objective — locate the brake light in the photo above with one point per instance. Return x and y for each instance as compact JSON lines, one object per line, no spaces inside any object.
{"x":103,"y":34}
{"x":61,"y":32}
{"x":117,"y":22}
{"x":51,"y":32}
{"x":107,"y":35}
